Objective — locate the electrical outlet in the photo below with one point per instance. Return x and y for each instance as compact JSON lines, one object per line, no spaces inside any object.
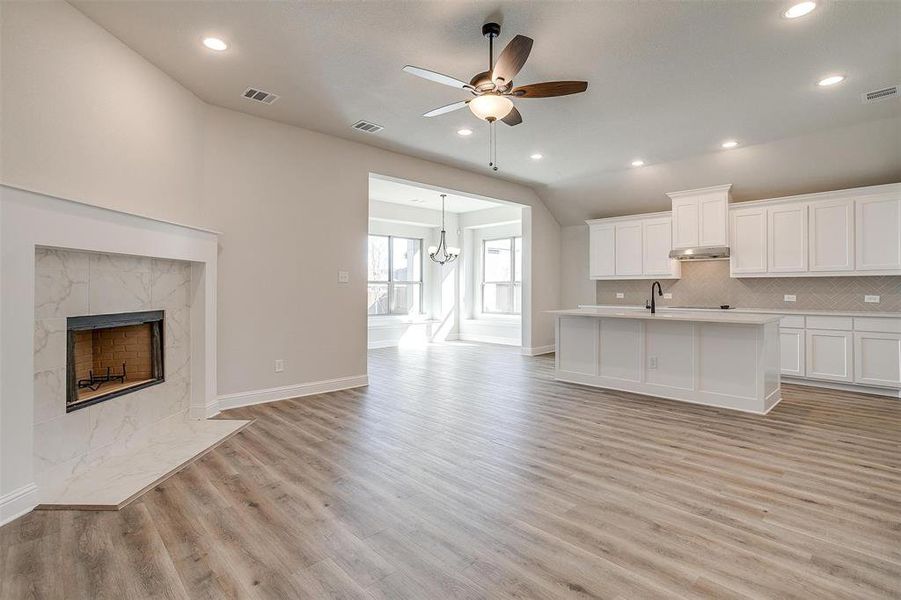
{"x":343,"y":277}
{"x":620,"y":295}
{"x":279,"y":365}
{"x":789,"y":298}
{"x":871,"y":299}
{"x":667,"y":295}
{"x":652,"y":362}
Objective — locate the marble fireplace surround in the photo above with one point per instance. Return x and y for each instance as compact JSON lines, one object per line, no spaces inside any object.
{"x":29,"y":221}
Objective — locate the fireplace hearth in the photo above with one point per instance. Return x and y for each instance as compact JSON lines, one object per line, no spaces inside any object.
{"x":111,"y":355}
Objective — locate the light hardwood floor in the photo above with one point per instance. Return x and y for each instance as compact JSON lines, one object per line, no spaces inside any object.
{"x":464,"y":471}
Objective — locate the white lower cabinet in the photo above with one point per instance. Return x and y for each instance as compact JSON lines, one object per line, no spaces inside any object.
{"x":830,"y":355}
{"x":877,"y":358}
{"x":791,"y":351}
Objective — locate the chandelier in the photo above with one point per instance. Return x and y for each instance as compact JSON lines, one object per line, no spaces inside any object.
{"x":442,"y":253}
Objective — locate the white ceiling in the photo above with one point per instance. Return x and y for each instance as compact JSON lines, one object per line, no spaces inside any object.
{"x":668,"y":81}
{"x":396,"y":192}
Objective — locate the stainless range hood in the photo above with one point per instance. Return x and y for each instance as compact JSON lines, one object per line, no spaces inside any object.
{"x":703,"y":253}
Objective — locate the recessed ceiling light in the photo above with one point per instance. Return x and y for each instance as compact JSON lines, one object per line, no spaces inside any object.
{"x":799,"y":10}
{"x":729,"y":144}
{"x":638,"y":163}
{"x":537,"y":156}
{"x":831,"y":80}
{"x":464,"y":132}
{"x":215,"y":44}
{"x":416,"y":200}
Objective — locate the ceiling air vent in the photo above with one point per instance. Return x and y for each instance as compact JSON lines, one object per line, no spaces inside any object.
{"x":259,"y":96}
{"x":877,"y":95}
{"x":367,"y":126}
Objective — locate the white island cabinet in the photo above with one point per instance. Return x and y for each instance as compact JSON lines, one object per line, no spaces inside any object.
{"x":725,"y":360}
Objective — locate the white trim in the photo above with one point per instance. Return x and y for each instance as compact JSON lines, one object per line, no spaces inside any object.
{"x":487,"y":339}
{"x":18,"y":502}
{"x":653,"y":215}
{"x":252,"y":397}
{"x":538,"y":350}
{"x":112,"y":210}
{"x":382,"y":344}
{"x":844,"y":387}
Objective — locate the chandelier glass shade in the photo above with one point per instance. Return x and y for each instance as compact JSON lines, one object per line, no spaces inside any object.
{"x":442,"y":253}
{"x":490,"y":107}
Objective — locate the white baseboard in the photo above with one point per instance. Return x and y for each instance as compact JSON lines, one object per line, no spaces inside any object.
{"x":487,"y":339}
{"x":845,"y":387}
{"x":18,"y":502}
{"x":205,"y":412}
{"x":537,"y":350}
{"x":239,"y":399}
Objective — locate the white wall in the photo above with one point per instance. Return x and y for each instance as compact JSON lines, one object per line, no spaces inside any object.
{"x":575,"y":286}
{"x":86,"y":118}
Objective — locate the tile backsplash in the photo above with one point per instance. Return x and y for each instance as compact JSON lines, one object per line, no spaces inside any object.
{"x":706,"y":283}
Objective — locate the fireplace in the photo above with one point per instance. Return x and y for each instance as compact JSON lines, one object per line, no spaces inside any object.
{"x":111,"y":355}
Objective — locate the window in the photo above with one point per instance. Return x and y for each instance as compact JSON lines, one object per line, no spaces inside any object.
{"x":502,"y":276}
{"x":395,"y":275}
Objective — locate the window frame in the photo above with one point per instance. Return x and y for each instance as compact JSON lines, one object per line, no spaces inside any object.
{"x":390,"y":282}
{"x":512,"y":282}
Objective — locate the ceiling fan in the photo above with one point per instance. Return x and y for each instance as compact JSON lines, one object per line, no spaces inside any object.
{"x":493,"y":89}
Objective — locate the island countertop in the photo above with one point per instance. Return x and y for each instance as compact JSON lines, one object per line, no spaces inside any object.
{"x":699,"y":316}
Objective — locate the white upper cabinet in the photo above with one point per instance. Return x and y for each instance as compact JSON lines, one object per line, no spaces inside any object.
{"x":846,"y":232}
{"x":628,"y":248}
{"x":701,"y":217}
{"x":879,"y":232}
{"x":657,"y":242}
{"x":748,"y":240}
{"x":601,"y":251}
{"x":831,"y":235}
{"x":632,"y":248}
{"x":685,"y":223}
{"x":787,"y":238}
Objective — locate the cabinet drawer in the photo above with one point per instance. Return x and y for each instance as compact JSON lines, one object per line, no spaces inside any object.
{"x":795,"y":321}
{"x":817,"y":322}
{"x":877,"y":324}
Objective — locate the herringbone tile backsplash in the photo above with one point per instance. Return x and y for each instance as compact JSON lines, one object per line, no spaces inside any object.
{"x":707,"y":283}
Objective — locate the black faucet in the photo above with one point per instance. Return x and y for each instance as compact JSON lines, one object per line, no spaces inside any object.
{"x":659,"y":293}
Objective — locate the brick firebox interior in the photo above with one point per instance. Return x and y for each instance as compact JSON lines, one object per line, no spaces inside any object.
{"x":99,"y":349}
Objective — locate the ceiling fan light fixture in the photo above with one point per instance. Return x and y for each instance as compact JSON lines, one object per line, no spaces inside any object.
{"x":491,"y":107}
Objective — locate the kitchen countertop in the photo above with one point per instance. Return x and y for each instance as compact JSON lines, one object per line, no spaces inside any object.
{"x":699,"y":316}
{"x":770,"y":311}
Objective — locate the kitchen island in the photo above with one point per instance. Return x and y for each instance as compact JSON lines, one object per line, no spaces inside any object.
{"x":717,"y":358}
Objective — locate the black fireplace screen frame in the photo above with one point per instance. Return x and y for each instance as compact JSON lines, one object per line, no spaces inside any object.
{"x":155,"y":318}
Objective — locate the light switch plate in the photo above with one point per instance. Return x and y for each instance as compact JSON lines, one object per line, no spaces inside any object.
{"x":279,"y":365}
{"x":789,"y":298}
{"x":871,"y":299}
{"x":620,"y":295}
{"x":343,"y":277}
{"x":667,"y":295}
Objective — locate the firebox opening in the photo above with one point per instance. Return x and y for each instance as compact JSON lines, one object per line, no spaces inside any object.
{"x":112,"y":355}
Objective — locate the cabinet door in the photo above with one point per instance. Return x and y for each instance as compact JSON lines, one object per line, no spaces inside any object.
{"x":601,"y":251}
{"x":713,"y":220}
{"x":685,"y":223}
{"x":877,"y":359}
{"x":829,"y":355}
{"x":831,"y":236}
{"x":791,"y":351}
{"x":657,"y":240}
{"x":628,"y":248}
{"x":748,"y":239}
{"x":878,"y":234}
{"x":787,"y":238}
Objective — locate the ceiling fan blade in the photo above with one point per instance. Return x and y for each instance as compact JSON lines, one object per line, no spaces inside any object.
{"x":436,"y":77}
{"x":513,"y":117}
{"x":446,"y":109}
{"x":549,"y":89}
{"x":511,"y":60}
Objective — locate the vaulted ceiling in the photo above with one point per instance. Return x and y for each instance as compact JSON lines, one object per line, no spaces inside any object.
{"x":669,"y":81}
